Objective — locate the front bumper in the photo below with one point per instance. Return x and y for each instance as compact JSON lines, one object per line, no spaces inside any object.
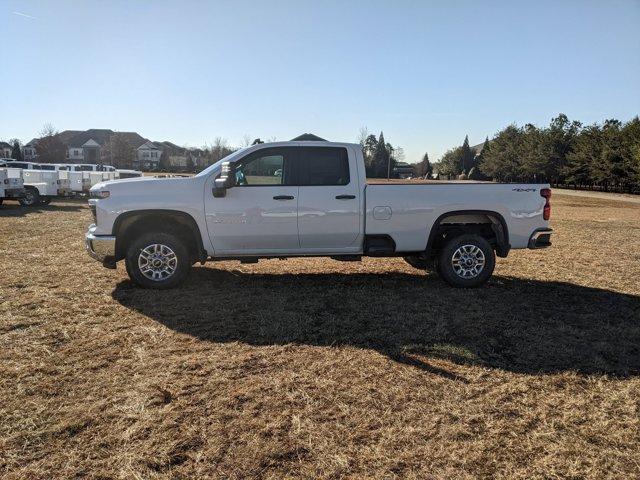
{"x":101,"y":247}
{"x":14,"y":193}
{"x":541,"y":238}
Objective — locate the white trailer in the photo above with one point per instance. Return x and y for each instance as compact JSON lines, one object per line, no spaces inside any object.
{"x":11,"y":184}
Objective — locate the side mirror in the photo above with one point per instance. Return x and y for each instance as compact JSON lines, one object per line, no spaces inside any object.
{"x":227,"y":179}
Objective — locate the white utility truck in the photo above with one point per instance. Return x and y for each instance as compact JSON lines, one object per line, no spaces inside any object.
{"x":79,"y":181}
{"x":43,"y":185}
{"x":291,"y":199}
{"x":11,"y":184}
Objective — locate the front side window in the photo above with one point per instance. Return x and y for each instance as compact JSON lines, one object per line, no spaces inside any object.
{"x":324,"y":166}
{"x":262,"y":168}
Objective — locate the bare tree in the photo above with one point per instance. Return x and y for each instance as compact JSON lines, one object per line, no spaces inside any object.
{"x":49,"y":147}
{"x":121,"y":153}
{"x":246,"y":140}
{"x":363,"y":134}
{"x":48,"y":130}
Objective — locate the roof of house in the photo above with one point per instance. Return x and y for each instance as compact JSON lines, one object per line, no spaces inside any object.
{"x":5,"y":145}
{"x":32,"y":143}
{"x":477,"y":148}
{"x":132,"y":138}
{"x":149,"y":144}
{"x":67,"y":135}
{"x":172,"y":147}
{"x":308,"y":137}
{"x":100,"y":136}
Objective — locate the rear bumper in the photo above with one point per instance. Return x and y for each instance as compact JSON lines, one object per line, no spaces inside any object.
{"x":541,"y":238}
{"x":101,"y":247}
{"x":13,"y":193}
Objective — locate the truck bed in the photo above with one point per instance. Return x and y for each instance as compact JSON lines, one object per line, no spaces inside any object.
{"x":408,"y":210}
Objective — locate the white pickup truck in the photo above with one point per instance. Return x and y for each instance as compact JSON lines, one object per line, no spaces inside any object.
{"x":291,"y":199}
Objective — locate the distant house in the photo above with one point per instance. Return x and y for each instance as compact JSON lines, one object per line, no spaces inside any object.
{"x":87,"y":146}
{"x":403,"y":170}
{"x":120,"y":149}
{"x":477,"y":149}
{"x":5,"y":150}
{"x":29,"y":150}
{"x":147,"y":156}
{"x":308,"y":137}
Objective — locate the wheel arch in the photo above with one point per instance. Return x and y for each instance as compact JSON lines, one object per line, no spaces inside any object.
{"x":128,"y":223}
{"x":461,"y":218}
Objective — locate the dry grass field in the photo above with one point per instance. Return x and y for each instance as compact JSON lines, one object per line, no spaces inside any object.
{"x":320,"y":369}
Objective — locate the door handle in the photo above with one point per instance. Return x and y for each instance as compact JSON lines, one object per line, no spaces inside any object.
{"x":345,"y":197}
{"x":283,"y":197}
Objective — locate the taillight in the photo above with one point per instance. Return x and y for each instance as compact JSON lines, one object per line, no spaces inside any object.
{"x":546,"y":212}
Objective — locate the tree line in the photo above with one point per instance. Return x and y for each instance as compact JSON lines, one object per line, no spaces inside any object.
{"x":602,"y":156}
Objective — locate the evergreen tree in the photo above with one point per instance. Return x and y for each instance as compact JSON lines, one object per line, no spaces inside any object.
{"x":503,"y":161}
{"x":450,"y":162}
{"x":466,"y":156}
{"x":190,"y":165}
{"x":381,"y":159}
{"x":424,"y":168}
{"x":16,"y":152}
{"x":164,"y":164}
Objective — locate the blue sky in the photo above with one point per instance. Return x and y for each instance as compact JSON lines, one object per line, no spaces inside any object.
{"x":426,"y":73}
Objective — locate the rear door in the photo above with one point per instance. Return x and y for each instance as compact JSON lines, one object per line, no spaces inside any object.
{"x":328,"y":203}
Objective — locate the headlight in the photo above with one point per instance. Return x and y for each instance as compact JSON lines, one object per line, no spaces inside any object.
{"x":99,"y":194}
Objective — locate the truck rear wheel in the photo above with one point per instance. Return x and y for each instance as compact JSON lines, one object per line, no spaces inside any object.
{"x":158,"y":261}
{"x":466,"y":261}
{"x":31,"y":197}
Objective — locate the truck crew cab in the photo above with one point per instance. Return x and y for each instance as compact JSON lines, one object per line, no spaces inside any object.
{"x":290,"y":199}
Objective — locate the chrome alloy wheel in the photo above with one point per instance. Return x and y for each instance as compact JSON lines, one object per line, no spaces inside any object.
{"x":157,"y":262}
{"x":468,"y":261}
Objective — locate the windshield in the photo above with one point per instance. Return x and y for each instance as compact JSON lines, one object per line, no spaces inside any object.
{"x":216,"y":166}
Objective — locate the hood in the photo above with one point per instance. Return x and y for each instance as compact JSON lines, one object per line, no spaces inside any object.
{"x":142,"y":184}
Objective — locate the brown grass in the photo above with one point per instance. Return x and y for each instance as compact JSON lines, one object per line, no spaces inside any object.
{"x":315,"y":368}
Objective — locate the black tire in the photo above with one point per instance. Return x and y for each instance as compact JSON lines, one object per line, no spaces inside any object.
{"x":464,"y":251}
{"x":31,"y":197}
{"x":45,"y":200}
{"x":181,"y":268}
{"x":416,"y":262}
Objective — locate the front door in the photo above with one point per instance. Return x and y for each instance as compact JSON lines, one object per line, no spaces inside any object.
{"x":260,"y":214}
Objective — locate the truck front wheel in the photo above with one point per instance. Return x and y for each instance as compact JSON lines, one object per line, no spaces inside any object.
{"x":31,"y":197}
{"x":466,"y":261}
{"x":158,"y":260}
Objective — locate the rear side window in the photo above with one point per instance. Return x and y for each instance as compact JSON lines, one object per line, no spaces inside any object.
{"x":324,"y":166}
